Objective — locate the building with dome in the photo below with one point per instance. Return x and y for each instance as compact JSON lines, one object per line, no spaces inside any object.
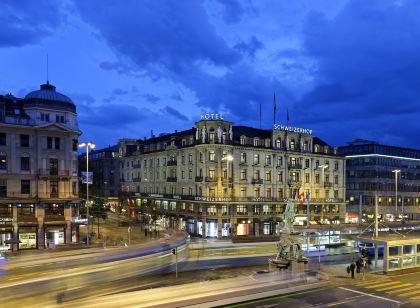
{"x":38,"y":169}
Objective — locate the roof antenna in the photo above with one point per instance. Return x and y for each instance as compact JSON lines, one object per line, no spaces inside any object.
{"x":48,"y":82}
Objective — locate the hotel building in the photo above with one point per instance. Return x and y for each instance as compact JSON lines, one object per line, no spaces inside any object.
{"x":376,"y":169}
{"x":38,"y":169}
{"x":221,"y":180}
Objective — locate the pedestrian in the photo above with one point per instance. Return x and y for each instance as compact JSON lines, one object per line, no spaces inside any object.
{"x":348,"y":271}
{"x":358,"y":263}
{"x":352,"y":268}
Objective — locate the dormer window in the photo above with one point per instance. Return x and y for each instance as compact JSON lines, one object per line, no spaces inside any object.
{"x":242,"y":140}
{"x":183,"y":142}
{"x":256,"y":142}
{"x":292,"y":144}
{"x":267,"y":143}
{"x":45,"y":117}
{"x":278,"y":143}
{"x":316,"y":148}
{"x":59,"y":118}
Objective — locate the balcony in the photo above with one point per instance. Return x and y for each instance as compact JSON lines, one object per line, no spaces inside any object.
{"x":136,"y":179}
{"x":171,"y":179}
{"x":171,"y":163}
{"x":257,"y":181}
{"x":210,"y":179}
{"x":227,"y":180}
{"x":53,"y":172}
{"x":137,"y":166}
{"x":53,"y":195}
{"x":328,"y":184}
{"x":199,"y":179}
{"x":294,"y":183}
{"x":294,"y":166}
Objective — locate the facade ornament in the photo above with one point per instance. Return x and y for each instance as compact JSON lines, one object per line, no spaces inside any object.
{"x":203,"y":134}
{"x":231,"y":134}
{"x":197,"y":133}
{"x":219,"y":134}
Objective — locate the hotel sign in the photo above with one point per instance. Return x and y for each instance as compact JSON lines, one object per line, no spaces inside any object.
{"x":292,"y":129}
{"x":213,"y":199}
{"x":211,"y":116}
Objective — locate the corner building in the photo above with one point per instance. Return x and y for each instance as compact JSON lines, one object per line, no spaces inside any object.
{"x":221,"y":180}
{"x":38,"y":169}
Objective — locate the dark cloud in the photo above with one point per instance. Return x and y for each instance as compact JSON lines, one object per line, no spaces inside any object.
{"x":176,"y":97}
{"x":174,"y":113}
{"x":151,"y":98}
{"x":367,"y":70}
{"x":118,"y":91}
{"x":170,"y":35}
{"x":251,"y":47}
{"x":232,"y":11}
{"x":26,"y":22}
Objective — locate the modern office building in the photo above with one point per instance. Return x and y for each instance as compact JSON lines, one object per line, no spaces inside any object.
{"x":104,"y":164}
{"x":376,"y":169}
{"x":38,"y":169}
{"x":221,"y":180}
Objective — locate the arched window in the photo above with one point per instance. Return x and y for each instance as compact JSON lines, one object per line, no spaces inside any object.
{"x":278,"y":143}
{"x":292,"y":144}
{"x":211,"y":135}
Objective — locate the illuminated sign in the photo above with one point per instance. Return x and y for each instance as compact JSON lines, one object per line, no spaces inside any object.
{"x":80,"y":220}
{"x":211,"y":116}
{"x":292,"y":129}
{"x":214,"y":199}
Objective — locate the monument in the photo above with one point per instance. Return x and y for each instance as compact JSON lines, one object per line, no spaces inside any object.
{"x":289,"y":248}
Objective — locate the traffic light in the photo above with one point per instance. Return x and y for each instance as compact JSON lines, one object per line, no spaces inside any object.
{"x":174,"y":251}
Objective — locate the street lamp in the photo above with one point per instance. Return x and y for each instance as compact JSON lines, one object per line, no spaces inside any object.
{"x":92,"y":146}
{"x":396,"y":171}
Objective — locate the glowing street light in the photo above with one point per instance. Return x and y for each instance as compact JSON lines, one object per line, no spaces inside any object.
{"x":92,"y":146}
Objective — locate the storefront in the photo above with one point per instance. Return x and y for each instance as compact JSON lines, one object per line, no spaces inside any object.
{"x":190,"y":226}
{"x":54,"y":235}
{"x":211,"y":228}
{"x":242,"y":229}
{"x":226,"y":228}
{"x":28,"y":236}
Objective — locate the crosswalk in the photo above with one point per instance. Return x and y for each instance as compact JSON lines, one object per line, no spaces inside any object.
{"x":394,"y":287}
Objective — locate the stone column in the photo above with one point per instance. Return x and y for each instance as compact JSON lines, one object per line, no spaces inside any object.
{"x":203,"y":226}
{"x":15,"y":226}
{"x":68,"y":218}
{"x":40,"y":214}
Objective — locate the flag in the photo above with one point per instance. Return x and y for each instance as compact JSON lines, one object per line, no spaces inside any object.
{"x":275,"y":108}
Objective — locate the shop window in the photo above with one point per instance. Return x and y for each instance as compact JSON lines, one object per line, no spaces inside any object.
{"x":28,"y":237}
{"x":26,"y":210}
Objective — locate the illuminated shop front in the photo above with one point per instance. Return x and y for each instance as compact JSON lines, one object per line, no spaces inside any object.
{"x":55,"y":235}
{"x":28,"y":237}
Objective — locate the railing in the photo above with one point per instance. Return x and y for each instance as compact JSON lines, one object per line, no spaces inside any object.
{"x":171,"y":179}
{"x":257,"y":181}
{"x":227,"y":180}
{"x":294,"y":183}
{"x":294,"y":166}
{"x":171,"y":163}
{"x":199,"y":179}
{"x":328,"y":184}
{"x":53,"y":172}
{"x":211,"y":179}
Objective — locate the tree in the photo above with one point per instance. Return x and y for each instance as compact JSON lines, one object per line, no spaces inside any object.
{"x":98,"y":210}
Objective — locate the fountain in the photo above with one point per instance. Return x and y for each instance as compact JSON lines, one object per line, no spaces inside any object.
{"x":289,"y":248}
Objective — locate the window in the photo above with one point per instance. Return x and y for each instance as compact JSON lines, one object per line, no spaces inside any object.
{"x":201,"y":157}
{"x":45,"y":117}
{"x":268,"y":160}
{"x":305,"y":146}
{"x":3,"y":161}
{"x":24,"y":164}
{"x":317,"y":178}
{"x":25,"y":186}
{"x":243,"y":192}
{"x":336,"y":179}
{"x":268,"y":175}
{"x":53,"y":166}
{"x":243,"y":158}
{"x":49,"y":142}
{"x":2,"y":139}
{"x":74,"y":186}
{"x":280,"y":176}
{"x":211,"y":174}
{"x":256,"y":159}
{"x":257,"y":193}
{"x":257,"y":174}
{"x":336,"y":194}
{"x":243,"y":174}
{"x":59,"y":118}
{"x":24,"y":141}
{"x":242,"y":140}
{"x":242,"y":210}
{"x":292,"y":144}
{"x":306,"y":177}
{"x":279,"y":161}
{"x":190,"y":158}
{"x":268,"y":193}
{"x":212,"y":156}
{"x":54,"y":188}
{"x":336,"y":165}
{"x":280,"y":193}
{"x":306,"y":163}
{"x":256,"y":142}
{"x":317,"y":164}
{"x":278,"y":143}
{"x":3,"y":188}
{"x":190,"y":174}
{"x":74,"y":145}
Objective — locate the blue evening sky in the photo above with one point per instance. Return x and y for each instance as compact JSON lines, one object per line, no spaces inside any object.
{"x":346,"y":69}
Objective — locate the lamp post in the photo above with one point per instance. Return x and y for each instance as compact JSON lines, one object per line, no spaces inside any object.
{"x":322,"y":167}
{"x":92,"y":146}
{"x":396,"y":171}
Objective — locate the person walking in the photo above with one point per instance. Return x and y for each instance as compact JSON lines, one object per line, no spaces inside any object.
{"x":348,"y":271}
{"x":358,"y":264}
{"x":352,"y":268}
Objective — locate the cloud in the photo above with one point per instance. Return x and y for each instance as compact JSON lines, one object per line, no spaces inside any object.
{"x":367,"y":69}
{"x":151,"y":98}
{"x":118,"y":91}
{"x":174,"y":113}
{"x":27,"y":22}
{"x":232,"y":11}
{"x":251,"y":47}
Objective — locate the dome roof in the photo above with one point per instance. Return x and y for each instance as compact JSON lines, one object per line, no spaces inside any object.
{"x":47,"y":92}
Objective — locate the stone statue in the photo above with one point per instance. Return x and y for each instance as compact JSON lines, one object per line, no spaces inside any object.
{"x":203,"y":134}
{"x":219,"y":134}
{"x":231,"y":134}
{"x":197,"y":134}
{"x":289,"y":216}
